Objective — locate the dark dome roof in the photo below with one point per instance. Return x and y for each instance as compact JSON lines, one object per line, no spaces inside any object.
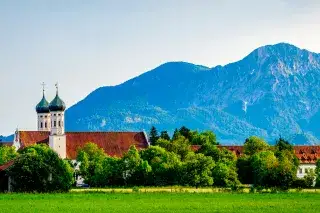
{"x":43,"y":106}
{"x":57,"y":104}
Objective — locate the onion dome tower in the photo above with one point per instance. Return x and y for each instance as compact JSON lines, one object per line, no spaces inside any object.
{"x":57,"y":138}
{"x":57,"y":108}
{"x":43,"y":113}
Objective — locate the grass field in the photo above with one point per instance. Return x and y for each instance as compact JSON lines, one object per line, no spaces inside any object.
{"x":159,"y":202}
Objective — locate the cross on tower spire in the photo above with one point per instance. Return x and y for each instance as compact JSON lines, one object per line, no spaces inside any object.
{"x":43,"y":87}
{"x":57,"y":87}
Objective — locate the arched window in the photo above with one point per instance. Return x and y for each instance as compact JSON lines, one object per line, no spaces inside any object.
{"x":45,"y":124}
{"x":59,"y":123}
{"x":54,"y":123}
{"x":41,"y":125}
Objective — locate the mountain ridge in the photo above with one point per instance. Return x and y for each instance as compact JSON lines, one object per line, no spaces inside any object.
{"x":266,"y":82}
{"x":272,"y":91}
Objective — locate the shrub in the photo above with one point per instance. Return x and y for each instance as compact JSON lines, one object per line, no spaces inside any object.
{"x":39,"y":169}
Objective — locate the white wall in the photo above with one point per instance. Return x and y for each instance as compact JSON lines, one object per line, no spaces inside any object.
{"x":79,"y":179}
{"x":45,"y":119}
{"x":302,"y":169}
{"x":59,"y":145}
{"x":57,"y":123}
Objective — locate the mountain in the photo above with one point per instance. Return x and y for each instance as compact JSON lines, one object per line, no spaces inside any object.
{"x":6,"y":138}
{"x":273,"y":91}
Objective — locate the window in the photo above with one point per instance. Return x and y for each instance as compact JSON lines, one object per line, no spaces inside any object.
{"x":45,"y":116}
{"x":59,"y":123}
{"x":54,"y":123}
{"x":40,"y":116}
{"x":54,"y":114}
{"x":59,"y":114}
{"x":300,"y":171}
{"x":41,"y":125}
{"x":45,"y":124}
{"x":306,"y":170}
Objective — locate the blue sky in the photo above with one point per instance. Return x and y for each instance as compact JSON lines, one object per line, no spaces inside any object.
{"x":87,"y":44}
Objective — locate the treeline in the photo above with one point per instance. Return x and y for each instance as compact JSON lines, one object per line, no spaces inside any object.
{"x":173,"y":161}
{"x":168,"y":161}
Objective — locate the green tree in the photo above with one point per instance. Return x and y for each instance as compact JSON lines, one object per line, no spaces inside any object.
{"x":39,"y":169}
{"x":153,"y":135}
{"x":185,"y":132}
{"x":245,"y":170}
{"x":164,"y":135}
{"x":166,"y":144}
{"x":108,"y":173}
{"x":7,"y":153}
{"x":254,"y":145}
{"x":264,"y":164}
{"x":197,"y":170}
{"x":287,"y":172}
{"x":91,"y":159}
{"x":310,"y":178}
{"x":282,"y":144}
{"x":176,"y":134}
{"x":207,"y":137}
{"x":166,"y":166}
{"x":134,"y":169}
{"x":224,"y":175}
{"x":224,"y":172}
{"x":317,"y":173}
{"x":268,"y":168}
{"x":180,"y":146}
{"x":218,"y":154}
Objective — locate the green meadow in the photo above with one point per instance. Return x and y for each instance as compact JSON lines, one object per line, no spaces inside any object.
{"x":77,"y":202}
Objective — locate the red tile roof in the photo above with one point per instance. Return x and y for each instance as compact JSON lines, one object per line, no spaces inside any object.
{"x":6,"y":165}
{"x":305,"y":154}
{"x":195,"y":147}
{"x":28,"y":138}
{"x":113,"y":143}
{"x":237,"y":150}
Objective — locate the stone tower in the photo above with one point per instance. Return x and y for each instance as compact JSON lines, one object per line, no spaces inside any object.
{"x":57,"y":138}
{"x":43,"y":113}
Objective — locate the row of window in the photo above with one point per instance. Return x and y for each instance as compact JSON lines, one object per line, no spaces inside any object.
{"x":41,"y":116}
{"x":306,"y":170}
{"x":54,"y":124}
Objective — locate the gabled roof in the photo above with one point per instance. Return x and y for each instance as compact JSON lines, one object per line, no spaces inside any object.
{"x":195,"y":147}
{"x":113,"y":143}
{"x":28,"y":138}
{"x":237,"y":150}
{"x":307,"y":154}
{"x":6,"y":165}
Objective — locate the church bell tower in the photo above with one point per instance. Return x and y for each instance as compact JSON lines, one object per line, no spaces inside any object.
{"x":43,"y":113}
{"x":57,"y":138}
